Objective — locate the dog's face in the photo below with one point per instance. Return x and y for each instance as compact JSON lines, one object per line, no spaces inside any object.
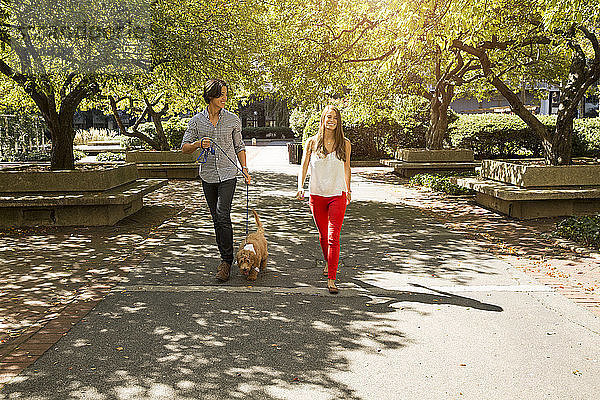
{"x":246,"y":260}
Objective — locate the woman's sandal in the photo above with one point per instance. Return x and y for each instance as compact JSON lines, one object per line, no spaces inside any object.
{"x":333,"y":289}
{"x":325,"y":270}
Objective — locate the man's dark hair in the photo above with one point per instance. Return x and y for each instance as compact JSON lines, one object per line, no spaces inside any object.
{"x":212,"y":89}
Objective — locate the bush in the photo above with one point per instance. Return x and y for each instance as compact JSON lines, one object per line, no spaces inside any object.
{"x":267,"y":132}
{"x":298,"y":119}
{"x":78,"y":155}
{"x":109,"y":156}
{"x":584,"y":230}
{"x":439,"y":183}
{"x":507,"y":136}
{"x":378,"y":133}
{"x":174,"y":129}
{"x":84,"y":136}
{"x":587,"y":137}
{"x":497,"y":135}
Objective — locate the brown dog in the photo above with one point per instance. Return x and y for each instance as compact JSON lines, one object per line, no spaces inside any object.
{"x":252,"y":254}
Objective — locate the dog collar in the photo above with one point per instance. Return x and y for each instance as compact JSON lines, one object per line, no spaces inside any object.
{"x":250,"y":247}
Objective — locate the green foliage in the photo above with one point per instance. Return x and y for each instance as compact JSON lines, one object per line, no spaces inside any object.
{"x":496,"y":135}
{"x":311,"y":127}
{"x":297,"y":122}
{"x":587,"y":137}
{"x":38,"y":156}
{"x":174,"y":129}
{"x":507,"y":136}
{"x":268,"y":132}
{"x":132,"y":143}
{"x":109,"y":156}
{"x":585,"y":230}
{"x":78,"y":155}
{"x":439,"y":183}
{"x":84,"y":136}
{"x":378,"y":133}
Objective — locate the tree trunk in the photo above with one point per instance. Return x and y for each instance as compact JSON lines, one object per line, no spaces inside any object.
{"x":163,"y":143}
{"x":558,"y":148}
{"x":438,"y":124}
{"x":438,"y":118}
{"x":63,"y":134}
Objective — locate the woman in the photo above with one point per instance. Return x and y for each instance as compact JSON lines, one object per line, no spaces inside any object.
{"x":218,"y":173}
{"x":328,"y":154}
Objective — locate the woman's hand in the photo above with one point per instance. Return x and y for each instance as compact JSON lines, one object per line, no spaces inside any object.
{"x":300,"y":194}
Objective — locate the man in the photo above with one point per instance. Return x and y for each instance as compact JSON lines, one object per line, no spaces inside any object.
{"x":218,"y":174}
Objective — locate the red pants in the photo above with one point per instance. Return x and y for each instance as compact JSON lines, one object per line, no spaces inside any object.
{"x":328,"y":213}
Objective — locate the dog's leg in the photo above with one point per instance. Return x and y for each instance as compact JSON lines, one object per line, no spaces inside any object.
{"x":253,"y":274}
{"x":263,"y":263}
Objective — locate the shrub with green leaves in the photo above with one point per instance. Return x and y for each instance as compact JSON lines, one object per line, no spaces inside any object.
{"x":584,"y":230}
{"x":507,"y":136}
{"x":439,"y":183}
{"x":110,"y":156}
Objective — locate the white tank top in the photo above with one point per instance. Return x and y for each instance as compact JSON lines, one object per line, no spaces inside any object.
{"x":327,"y":177}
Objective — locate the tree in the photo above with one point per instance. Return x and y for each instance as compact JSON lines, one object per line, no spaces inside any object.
{"x":563,"y":30}
{"x":54,"y":55}
{"x":70,"y":52}
{"x":377,"y":50}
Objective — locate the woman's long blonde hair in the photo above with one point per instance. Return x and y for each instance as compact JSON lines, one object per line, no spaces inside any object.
{"x":339,"y":144}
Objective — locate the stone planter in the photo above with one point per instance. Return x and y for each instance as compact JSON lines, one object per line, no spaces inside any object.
{"x":527,"y":189}
{"x":519,"y":173}
{"x":428,"y":156}
{"x":171,"y":164}
{"x":92,"y":196}
{"x":410,"y":162}
{"x":100,"y":178}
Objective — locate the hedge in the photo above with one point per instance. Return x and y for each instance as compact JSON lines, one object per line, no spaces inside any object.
{"x":507,"y":136}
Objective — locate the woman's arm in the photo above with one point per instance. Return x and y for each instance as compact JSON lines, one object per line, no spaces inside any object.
{"x":347,"y":171}
{"x":304,"y":167}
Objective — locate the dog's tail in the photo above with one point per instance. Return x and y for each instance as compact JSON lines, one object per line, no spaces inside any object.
{"x":258,"y":223}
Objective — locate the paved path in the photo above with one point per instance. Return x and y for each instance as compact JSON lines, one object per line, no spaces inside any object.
{"x":425,"y":311}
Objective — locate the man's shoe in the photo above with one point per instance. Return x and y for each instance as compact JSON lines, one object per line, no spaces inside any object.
{"x":223,"y":271}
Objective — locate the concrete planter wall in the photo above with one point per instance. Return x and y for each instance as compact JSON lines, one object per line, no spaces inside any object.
{"x":534,"y":190}
{"x":172,"y":164}
{"x":523,"y":175}
{"x":444,"y":155}
{"x":102,"y":178}
{"x":410,"y":162}
{"x":171,"y":156}
{"x":90,"y":197}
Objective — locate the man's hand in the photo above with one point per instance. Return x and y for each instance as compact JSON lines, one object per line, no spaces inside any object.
{"x":246,"y":175}
{"x":203,"y":143}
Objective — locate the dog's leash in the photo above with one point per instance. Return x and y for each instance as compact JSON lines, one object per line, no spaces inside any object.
{"x":211,"y":150}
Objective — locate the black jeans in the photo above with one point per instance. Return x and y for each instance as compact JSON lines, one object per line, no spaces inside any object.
{"x":219,"y":197}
